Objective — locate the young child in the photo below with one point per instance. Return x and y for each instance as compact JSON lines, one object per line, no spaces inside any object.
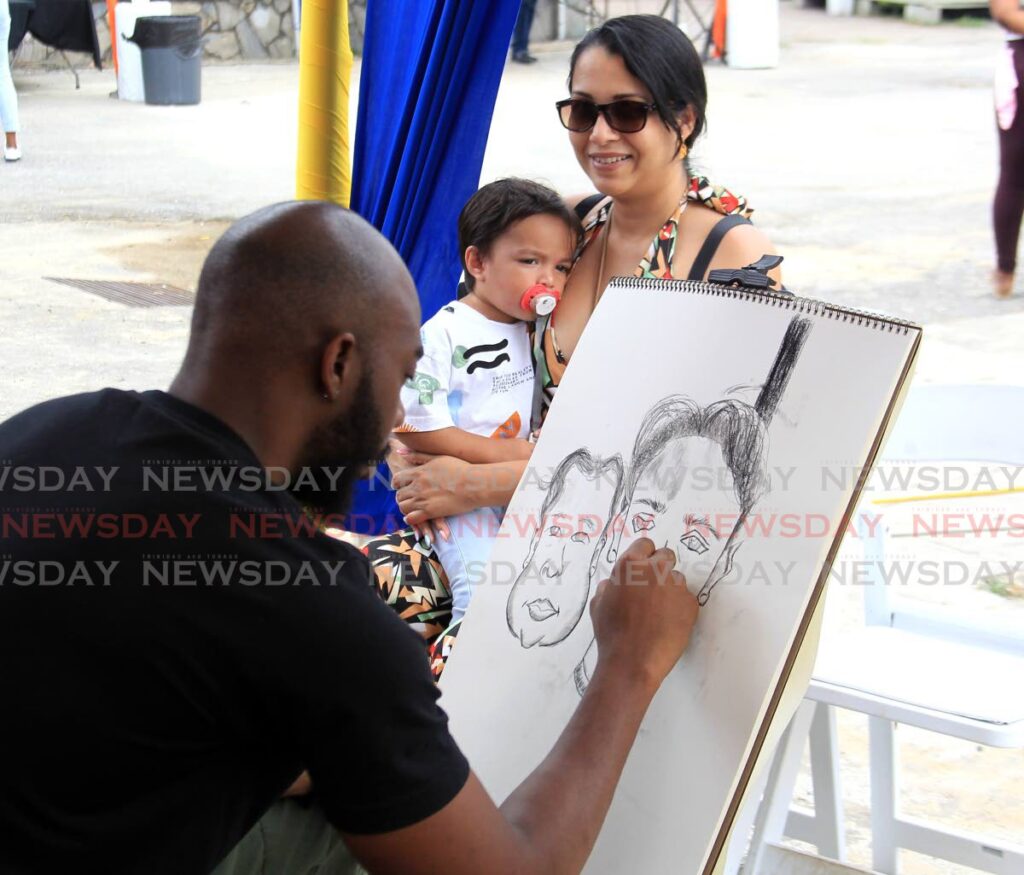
{"x":472,"y":394}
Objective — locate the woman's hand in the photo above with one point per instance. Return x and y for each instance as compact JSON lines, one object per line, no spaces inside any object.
{"x":401,"y":458}
{"x":437,"y":486}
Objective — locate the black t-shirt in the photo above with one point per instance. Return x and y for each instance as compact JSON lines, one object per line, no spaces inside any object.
{"x":177,"y":644}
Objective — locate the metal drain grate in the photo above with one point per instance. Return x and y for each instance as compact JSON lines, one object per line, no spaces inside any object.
{"x":131,"y":294}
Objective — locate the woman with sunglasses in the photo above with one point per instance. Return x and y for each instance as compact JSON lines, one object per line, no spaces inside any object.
{"x":636,"y":106}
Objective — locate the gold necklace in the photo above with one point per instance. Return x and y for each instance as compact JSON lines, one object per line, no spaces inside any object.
{"x":595,"y":296}
{"x":598,"y":289}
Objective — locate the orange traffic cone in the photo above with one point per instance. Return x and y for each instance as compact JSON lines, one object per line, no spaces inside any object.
{"x":112,"y":27}
{"x":718,"y":29}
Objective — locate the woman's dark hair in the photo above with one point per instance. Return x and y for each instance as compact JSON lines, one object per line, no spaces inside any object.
{"x":498,"y":205}
{"x":661,"y":56}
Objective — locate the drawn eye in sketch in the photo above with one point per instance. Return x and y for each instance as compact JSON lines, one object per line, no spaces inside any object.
{"x":698,"y":534}
{"x":643,"y":522}
{"x":676,"y":438}
{"x":552,"y":590}
{"x":694,"y":541}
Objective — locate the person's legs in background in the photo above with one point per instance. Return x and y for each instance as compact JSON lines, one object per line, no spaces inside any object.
{"x":8,"y":96}
{"x":1009,"y":200}
{"x":521,"y":33}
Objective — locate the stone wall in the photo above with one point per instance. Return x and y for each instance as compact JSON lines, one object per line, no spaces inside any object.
{"x":244,"y":28}
{"x":576,"y":17}
{"x":234,"y":30}
{"x":238,"y":30}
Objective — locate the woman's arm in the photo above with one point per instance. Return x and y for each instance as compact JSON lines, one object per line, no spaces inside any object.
{"x":443,"y":486}
{"x":1008,"y":13}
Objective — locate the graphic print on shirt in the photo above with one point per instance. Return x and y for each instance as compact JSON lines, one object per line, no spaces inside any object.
{"x":455,"y":398}
{"x":509,"y":428}
{"x":461,"y":357}
{"x":425,"y":385}
{"x":475,"y":374}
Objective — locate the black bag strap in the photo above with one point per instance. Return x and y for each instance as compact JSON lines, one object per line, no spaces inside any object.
{"x":703,"y":260}
{"x":587,"y":204}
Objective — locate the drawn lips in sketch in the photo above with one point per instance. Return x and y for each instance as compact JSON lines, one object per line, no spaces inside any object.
{"x":541,"y":609}
{"x":700,"y":521}
{"x":552,"y":590}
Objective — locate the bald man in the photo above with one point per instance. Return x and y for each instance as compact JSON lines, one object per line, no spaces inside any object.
{"x":178,"y":644}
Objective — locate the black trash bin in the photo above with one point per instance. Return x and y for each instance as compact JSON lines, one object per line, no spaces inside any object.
{"x":172,"y":48}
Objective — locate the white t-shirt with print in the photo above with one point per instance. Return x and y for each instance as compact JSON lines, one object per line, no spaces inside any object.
{"x":475,"y":374}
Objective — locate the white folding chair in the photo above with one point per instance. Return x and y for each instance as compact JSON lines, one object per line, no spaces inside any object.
{"x":920,"y":665}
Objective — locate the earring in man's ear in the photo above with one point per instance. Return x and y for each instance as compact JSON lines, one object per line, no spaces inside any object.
{"x":325,"y":396}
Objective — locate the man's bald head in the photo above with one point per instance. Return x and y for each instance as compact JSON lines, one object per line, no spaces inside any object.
{"x":306,"y":325}
{"x":283,"y":280}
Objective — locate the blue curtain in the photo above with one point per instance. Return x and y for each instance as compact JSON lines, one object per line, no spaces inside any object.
{"x":430,"y":75}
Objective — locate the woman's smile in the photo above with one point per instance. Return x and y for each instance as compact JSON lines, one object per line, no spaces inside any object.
{"x":606,"y":161}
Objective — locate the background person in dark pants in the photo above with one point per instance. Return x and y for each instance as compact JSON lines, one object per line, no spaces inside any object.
{"x":521,"y":33}
{"x":1009,"y":200}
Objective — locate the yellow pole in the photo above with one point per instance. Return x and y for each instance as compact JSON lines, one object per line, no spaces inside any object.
{"x":324,"y":168}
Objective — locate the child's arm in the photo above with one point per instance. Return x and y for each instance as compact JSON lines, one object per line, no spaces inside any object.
{"x":464,"y":445}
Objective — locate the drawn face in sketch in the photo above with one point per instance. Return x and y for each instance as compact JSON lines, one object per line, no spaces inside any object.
{"x":697,"y":471}
{"x":695,"y":475}
{"x":686,"y":500}
{"x":553,"y":588}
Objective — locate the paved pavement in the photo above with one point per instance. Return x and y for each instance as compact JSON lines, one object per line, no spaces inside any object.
{"x":869,"y":154}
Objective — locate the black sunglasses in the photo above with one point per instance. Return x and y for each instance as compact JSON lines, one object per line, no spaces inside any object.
{"x":625,"y":116}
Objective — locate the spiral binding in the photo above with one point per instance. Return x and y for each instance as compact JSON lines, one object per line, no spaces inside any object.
{"x":807,"y":306}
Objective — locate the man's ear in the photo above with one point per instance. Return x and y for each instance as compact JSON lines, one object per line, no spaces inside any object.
{"x":340,"y":368}
{"x":474,"y":262}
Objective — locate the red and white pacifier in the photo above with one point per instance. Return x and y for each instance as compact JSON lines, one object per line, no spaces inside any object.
{"x":540,"y":299}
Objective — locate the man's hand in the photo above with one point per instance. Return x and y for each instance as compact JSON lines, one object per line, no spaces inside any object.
{"x":642,"y":619}
{"x":643,"y":614}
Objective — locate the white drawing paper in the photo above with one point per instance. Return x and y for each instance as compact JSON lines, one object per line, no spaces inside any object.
{"x":719,"y":425}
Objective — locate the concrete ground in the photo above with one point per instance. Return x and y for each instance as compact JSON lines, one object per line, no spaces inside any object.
{"x":869,"y":154}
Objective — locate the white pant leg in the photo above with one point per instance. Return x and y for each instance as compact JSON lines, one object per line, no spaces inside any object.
{"x":465,"y":554}
{"x":8,"y":97}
